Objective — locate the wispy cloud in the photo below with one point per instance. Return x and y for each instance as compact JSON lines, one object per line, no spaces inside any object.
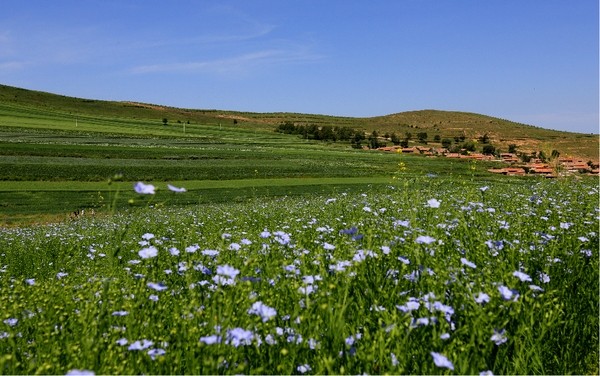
{"x":240,"y":63}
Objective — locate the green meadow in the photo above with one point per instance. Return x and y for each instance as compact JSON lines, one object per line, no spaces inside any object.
{"x":282,"y":255}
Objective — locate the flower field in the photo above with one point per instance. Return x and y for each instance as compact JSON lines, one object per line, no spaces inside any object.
{"x":430,"y":276}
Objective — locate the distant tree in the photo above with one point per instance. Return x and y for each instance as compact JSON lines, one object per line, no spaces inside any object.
{"x":488,"y":149}
{"x":404,"y":143}
{"x":386,"y":135}
{"x":437,"y":138}
{"x":408,"y":135}
{"x":422,"y":136}
{"x":555,"y":154}
{"x":542,"y":156}
{"x":235,"y":121}
{"x":446,"y":142}
{"x":525,"y":158}
{"x":165,"y":121}
{"x":469,"y":146}
{"x":484,"y":139}
{"x":457,"y":139}
{"x":512,"y":148}
{"x":395,"y":139}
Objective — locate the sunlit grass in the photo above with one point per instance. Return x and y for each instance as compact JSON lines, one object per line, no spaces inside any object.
{"x":492,"y":278}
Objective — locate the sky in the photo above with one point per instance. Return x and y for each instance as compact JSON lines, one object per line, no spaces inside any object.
{"x":529,"y":61}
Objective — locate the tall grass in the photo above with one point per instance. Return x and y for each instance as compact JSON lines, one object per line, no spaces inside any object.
{"x":429,"y":276}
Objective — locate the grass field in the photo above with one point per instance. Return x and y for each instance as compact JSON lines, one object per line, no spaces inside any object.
{"x":283,"y":256}
{"x":425,"y":276}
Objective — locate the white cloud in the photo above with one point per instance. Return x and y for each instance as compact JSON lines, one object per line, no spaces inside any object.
{"x":238,"y":63}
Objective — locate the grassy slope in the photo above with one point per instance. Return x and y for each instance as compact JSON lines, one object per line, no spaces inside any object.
{"x":91,"y":113}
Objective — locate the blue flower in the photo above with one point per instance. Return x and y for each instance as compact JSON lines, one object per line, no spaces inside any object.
{"x":157,"y":286}
{"x":499,"y":337}
{"x":303,"y":368}
{"x":522,"y":276}
{"x":262,"y":310}
{"x":175,"y":189}
{"x":149,"y":252}
{"x":80,"y":372}
{"x":424,"y":239}
{"x":468,"y":263}
{"x":144,"y":189}
{"x":433,"y":203}
{"x":441,"y":361}
{"x":137,"y":345}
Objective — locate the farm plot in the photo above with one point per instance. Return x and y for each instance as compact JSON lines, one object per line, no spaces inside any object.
{"x":432,"y":276}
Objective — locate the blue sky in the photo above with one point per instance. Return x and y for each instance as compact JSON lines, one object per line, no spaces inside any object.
{"x":531,"y":61}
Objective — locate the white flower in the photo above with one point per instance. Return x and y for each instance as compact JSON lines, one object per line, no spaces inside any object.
{"x":157,"y":286}
{"x":433,"y":203}
{"x":262,"y":310}
{"x":172,"y":188}
{"x":424,"y":239}
{"x":303,"y":368}
{"x":441,"y":361}
{"x":144,"y":189}
{"x":137,"y":345}
{"x":522,"y":276}
{"x":148,"y":252}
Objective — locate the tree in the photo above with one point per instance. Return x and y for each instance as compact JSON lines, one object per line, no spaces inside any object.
{"x":395,"y":139}
{"x":484,"y":139}
{"x":404,"y":143}
{"x":488,"y":149}
{"x":408,"y":135}
{"x":512,"y":148}
{"x":422,"y":136}
{"x":469,"y":146}
{"x":555,"y":154}
{"x":165,"y":121}
{"x":437,"y":138}
{"x":446,"y":142}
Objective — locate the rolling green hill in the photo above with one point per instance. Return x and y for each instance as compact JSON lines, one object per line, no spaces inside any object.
{"x":33,"y":108}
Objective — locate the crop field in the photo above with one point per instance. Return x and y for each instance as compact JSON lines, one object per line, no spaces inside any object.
{"x":427,"y":275}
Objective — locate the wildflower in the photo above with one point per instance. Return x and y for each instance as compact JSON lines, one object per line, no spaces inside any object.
{"x":239,"y":337}
{"x":586,"y":252}
{"x":122,"y":341}
{"x":246,"y":241}
{"x":565,"y":225}
{"x":156,"y":352}
{"x":154,"y":298}
{"x":265,"y":234}
{"x":424,"y":239}
{"x":340,"y":266}
{"x":351,"y":231}
{"x":411,"y":305}
{"x":174,"y":251}
{"x":157,"y":286}
{"x":303,"y":368}
{"x":499,"y":337}
{"x":433,"y":203}
{"x":234,"y":247}
{"x":120,"y":313}
{"x":262,"y":310}
{"x":445,"y":336}
{"x":149,"y":252}
{"x":583,"y":239}
{"x":468,"y":263}
{"x":486,"y":373}
{"x":30,"y":281}
{"x":441,"y":361}
{"x":482,"y":297}
{"x":80,"y":372}
{"x":143,"y":345}
{"x":172,"y":188}
{"x":536,"y":288}
{"x":211,"y":340}
{"x":483,"y":189}
{"x":210,"y":252}
{"x":11,"y":322}
{"x":508,"y":294}
{"x":544,"y":278}
{"x":385,"y":249}
{"x":328,"y":247}
{"x":192,"y":248}
{"x":59,"y":275}
{"x":394,"y":360}
{"x":148,"y":236}
{"x":401,"y":223}
{"x":522,"y":276}
{"x":404,"y":260}
{"x":227,"y":271}
{"x":144,"y":189}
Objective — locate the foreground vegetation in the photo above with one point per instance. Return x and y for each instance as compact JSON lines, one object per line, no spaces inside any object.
{"x":429,"y":275}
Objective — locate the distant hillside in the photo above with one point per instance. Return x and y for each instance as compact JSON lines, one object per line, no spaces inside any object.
{"x":446,"y":124}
